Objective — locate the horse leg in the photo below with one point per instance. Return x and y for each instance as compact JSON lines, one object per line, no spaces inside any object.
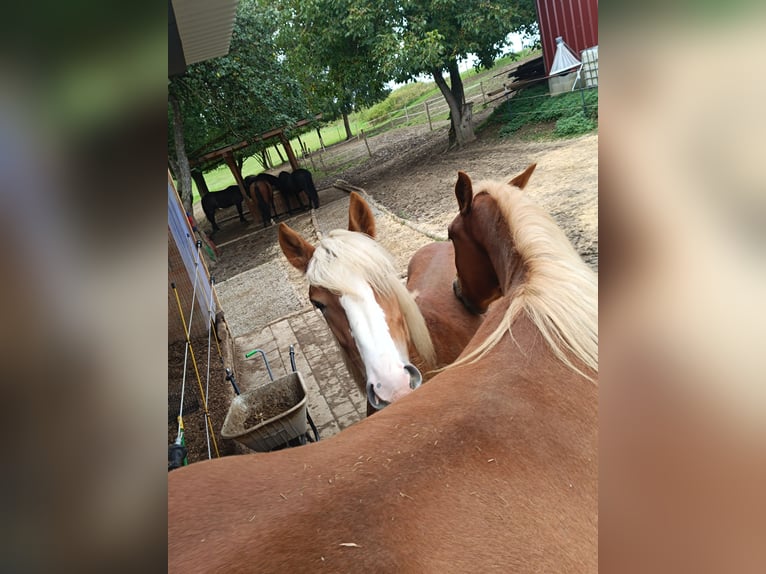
{"x":210,"y":214}
{"x":239,"y":210}
{"x":300,"y":201}
{"x":311,"y":192}
{"x":306,"y":183}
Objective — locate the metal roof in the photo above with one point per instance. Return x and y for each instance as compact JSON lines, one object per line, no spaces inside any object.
{"x":198,"y":30}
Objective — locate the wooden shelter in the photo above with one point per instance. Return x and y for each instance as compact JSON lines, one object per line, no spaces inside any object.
{"x":227,"y":154}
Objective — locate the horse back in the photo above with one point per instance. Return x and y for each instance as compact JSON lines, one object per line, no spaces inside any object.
{"x":502,"y":467}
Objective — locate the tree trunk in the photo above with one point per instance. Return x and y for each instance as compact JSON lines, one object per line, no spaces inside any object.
{"x":346,"y":125}
{"x":184,"y":170}
{"x":281,"y":159}
{"x":461,"y":113}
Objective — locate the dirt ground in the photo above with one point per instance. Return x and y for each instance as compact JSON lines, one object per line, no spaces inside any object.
{"x":412,"y":176}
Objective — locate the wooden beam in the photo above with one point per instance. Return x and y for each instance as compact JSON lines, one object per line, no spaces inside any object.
{"x":290,"y":153}
{"x":251,"y":205}
{"x":221,"y":152}
{"x":277,"y":132}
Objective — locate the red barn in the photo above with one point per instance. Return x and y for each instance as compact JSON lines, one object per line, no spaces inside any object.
{"x":574,"y":20}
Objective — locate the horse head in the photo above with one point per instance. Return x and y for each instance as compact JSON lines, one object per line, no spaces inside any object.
{"x":354,"y":283}
{"x":480,"y":274}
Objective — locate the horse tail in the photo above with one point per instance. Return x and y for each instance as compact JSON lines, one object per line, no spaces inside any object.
{"x":263,"y":193}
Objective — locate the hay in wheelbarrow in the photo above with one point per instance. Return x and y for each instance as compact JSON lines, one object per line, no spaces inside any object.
{"x":270,"y":416}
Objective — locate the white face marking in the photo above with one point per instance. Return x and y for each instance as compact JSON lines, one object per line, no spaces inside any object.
{"x":383,"y":361}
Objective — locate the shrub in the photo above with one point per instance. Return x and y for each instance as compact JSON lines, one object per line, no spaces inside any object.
{"x":533,"y":106}
{"x":574,"y":125}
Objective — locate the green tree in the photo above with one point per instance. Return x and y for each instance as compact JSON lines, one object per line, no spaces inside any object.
{"x":235,"y":97}
{"x":375,"y":41}
{"x":337,"y":69}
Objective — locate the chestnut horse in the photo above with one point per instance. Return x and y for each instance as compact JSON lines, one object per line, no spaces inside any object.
{"x":491,"y":466}
{"x":375,"y":320}
{"x":261,"y":188}
{"x":502,"y":241}
{"x":430,"y":277}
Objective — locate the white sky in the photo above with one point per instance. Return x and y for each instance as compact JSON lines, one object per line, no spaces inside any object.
{"x":515,"y":45}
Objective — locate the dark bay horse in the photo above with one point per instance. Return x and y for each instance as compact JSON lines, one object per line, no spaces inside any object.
{"x":297,"y":181}
{"x":221,"y":200}
{"x":354,"y":283}
{"x":491,"y":466}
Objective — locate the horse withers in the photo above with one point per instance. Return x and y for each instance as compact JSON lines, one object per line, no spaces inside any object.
{"x":375,"y":320}
{"x":491,"y":466}
{"x":222,"y":199}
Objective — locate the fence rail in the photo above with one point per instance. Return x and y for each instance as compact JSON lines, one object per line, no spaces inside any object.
{"x":434,"y":111}
{"x":485,"y":92}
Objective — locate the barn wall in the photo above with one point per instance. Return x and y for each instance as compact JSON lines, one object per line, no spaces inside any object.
{"x":574,"y":20}
{"x":177,"y":274}
{"x":185,"y":267}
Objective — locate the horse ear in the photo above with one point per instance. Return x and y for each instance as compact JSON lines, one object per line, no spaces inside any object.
{"x":297,"y":250}
{"x":521,"y":180}
{"x":360,"y":216}
{"x":464,"y":192}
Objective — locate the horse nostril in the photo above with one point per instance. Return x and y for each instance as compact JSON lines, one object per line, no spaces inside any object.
{"x":376,"y":402}
{"x":416,"y":379}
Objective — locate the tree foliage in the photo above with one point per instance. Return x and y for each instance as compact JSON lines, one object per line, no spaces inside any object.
{"x":242,"y":94}
{"x":355,"y":46}
{"x":337,"y":69}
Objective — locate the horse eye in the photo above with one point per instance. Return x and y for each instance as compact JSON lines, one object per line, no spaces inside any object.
{"x":319,"y":305}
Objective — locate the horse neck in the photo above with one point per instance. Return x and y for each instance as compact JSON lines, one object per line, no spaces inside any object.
{"x":506,"y":261}
{"x":520,"y":355}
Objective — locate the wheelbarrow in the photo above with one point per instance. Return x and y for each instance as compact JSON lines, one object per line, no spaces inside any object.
{"x":273,"y":416}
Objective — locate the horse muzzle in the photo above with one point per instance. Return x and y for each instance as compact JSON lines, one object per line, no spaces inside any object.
{"x":416,"y":379}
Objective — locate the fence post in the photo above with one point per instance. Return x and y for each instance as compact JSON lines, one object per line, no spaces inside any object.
{"x":321,"y":159}
{"x":428,"y":115}
{"x":483,"y":95}
{"x":584,"y":109}
{"x":406,"y":114}
{"x":364,"y":137}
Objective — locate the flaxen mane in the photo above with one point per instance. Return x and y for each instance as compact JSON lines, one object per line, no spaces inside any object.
{"x":343,"y":257}
{"x":560,"y":292}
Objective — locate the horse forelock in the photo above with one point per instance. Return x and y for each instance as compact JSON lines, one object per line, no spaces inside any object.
{"x":560,"y":292}
{"x":344,"y":258}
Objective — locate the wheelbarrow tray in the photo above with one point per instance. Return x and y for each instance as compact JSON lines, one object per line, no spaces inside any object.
{"x":276,"y":431}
